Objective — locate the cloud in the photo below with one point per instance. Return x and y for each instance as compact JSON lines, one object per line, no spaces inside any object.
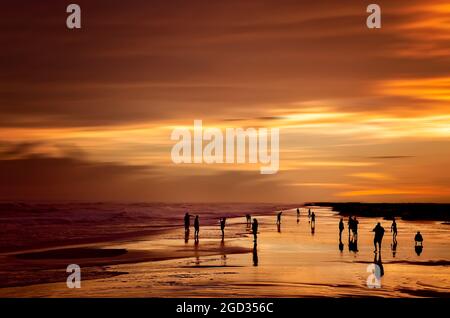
{"x":390,"y":157}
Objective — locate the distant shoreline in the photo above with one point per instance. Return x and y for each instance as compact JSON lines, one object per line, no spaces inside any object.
{"x":406,"y":211}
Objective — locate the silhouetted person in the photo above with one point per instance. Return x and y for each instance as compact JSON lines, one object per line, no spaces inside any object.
{"x":298,"y":215}
{"x":418,"y":239}
{"x":313,"y":220}
{"x":279,"y":217}
{"x":248,"y":217}
{"x":394,"y":229}
{"x":196,"y":228}
{"x":355,"y":227}
{"x":309,"y":215}
{"x":418,"y":243}
{"x":255,"y":230}
{"x":222,"y":226}
{"x":350,"y":225}
{"x":341,"y":228}
{"x":379,"y":233}
{"x":255,"y":255}
{"x":187,"y":222}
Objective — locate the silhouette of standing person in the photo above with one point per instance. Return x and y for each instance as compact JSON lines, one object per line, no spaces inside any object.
{"x":298,"y":215}
{"x":222,"y":227}
{"x":196,"y":228}
{"x":279,"y":217}
{"x":394,"y":229}
{"x":350,"y":225}
{"x":248,"y":218}
{"x":418,"y":239}
{"x":355,"y":227}
{"x":187,"y":222}
{"x":418,"y":243}
{"x":341,"y":229}
{"x":379,"y":233}
{"x":255,"y":230}
{"x":313,"y":220}
{"x":309,"y":214}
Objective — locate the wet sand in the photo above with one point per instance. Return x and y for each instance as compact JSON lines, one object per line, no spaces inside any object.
{"x":289,"y":261}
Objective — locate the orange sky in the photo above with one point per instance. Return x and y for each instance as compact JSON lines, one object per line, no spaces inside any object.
{"x":364,"y":115}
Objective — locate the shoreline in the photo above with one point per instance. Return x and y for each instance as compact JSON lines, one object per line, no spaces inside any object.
{"x":405,"y":211}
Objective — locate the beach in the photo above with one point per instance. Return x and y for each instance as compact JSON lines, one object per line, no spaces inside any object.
{"x":288,"y":261}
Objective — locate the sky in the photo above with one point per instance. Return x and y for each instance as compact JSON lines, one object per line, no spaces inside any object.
{"x":364,"y":114}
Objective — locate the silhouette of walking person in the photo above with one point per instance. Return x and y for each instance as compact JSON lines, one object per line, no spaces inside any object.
{"x":279,"y":217}
{"x":394,"y":229}
{"x":222,"y":227}
{"x":309,"y":215}
{"x":255,"y":230}
{"x":298,"y":215}
{"x":196,"y":228}
{"x":379,"y":233}
{"x":313,"y":220}
{"x":341,"y":228}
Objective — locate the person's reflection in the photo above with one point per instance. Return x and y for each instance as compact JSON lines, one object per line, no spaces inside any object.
{"x":378,"y":262}
{"x":394,"y":246}
{"x":341,"y":245}
{"x":255,"y":255}
{"x":186,"y":236}
{"x":279,"y":227}
{"x":353,"y":244}
{"x":197,"y":256}
{"x":223,"y":252}
{"x":418,"y":249}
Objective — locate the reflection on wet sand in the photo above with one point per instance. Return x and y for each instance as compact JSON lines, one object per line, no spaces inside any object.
{"x":311,"y":265}
{"x":255,"y":255}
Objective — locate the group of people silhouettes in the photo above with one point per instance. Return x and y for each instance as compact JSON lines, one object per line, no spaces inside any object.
{"x":352,"y":232}
{"x":378,"y":236}
{"x":222,"y":222}
{"x":187,"y":224}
